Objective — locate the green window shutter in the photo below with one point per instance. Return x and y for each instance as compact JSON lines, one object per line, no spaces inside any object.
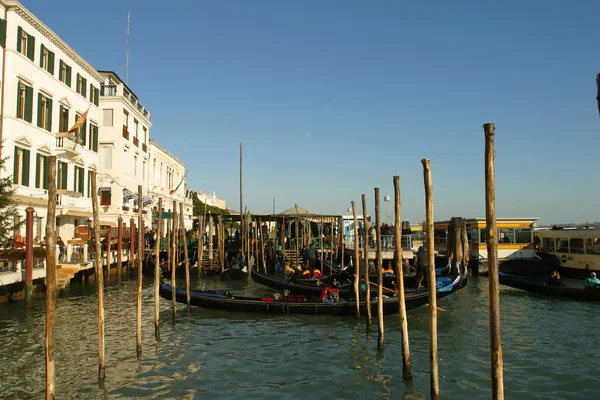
{"x":95,"y":148}
{"x":60,"y":119}
{"x":45,"y":176}
{"x":39,"y":114}
{"x":15,"y":165}
{"x":81,"y":175}
{"x":60,"y":68}
{"x":84,"y":88}
{"x":68,"y":76}
{"x":25,"y":167}
{"x":19,"y":34}
{"x":38,"y":157}
{"x":42,"y":55}
{"x":18,"y":100}
{"x":30,"y":47}
{"x":3,"y":32}
{"x":84,"y":133}
{"x":51,"y":62}
{"x":77,"y":84}
{"x":91,"y":93}
{"x":49,"y":115}
{"x":65,"y":173}
{"x":28,"y":103}
{"x":75,"y":179}
{"x":97,"y":97}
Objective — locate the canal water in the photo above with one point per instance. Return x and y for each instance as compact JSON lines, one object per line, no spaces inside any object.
{"x":550,"y":350}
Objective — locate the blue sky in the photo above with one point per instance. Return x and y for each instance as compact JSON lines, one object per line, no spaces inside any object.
{"x":333,"y":98}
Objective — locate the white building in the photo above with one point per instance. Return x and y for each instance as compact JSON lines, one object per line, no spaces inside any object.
{"x":46,"y":86}
{"x":166,"y":173}
{"x":124,"y":152}
{"x":211,"y":199}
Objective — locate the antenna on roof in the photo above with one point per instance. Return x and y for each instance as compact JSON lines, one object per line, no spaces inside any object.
{"x":127,"y":49}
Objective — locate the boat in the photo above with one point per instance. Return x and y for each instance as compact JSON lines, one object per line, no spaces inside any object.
{"x":572,"y":288}
{"x":329,"y":302}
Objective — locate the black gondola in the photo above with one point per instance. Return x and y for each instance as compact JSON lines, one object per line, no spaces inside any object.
{"x":329,"y":303}
{"x":538,"y":284}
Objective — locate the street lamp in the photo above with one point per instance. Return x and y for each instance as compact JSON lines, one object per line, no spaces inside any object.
{"x":387,"y":214}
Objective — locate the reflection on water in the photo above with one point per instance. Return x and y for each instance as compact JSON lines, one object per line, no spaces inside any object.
{"x":211,"y":354}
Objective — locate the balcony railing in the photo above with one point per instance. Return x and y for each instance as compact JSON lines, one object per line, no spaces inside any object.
{"x":136,"y":141}
{"x":144,"y":148}
{"x":66,"y":142}
{"x":125,"y":132}
{"x":108,"y":90}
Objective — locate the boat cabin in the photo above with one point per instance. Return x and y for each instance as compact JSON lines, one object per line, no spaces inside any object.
{"x":515,"y":237}
{"x":574,"y":248}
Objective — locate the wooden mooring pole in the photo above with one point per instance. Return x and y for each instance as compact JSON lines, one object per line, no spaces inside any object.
{"x":380,"y":337}
{"x":119,"y":246}
{"x":173,"y":246}
{"x":433,"y":347}
{"x":28,"y":290}
{"x":356,"y":262}
{"x":51,"y":278}
{"x":210,"y":241}
{"x":169,"y":243}
{"x":406,"y":359}
{"x":366,"y":258}
{"x":99,"y":277}
{"x":219,"y":239}
{"x":492,"y":248}
{"x":108,"y":252}
{"x":131,"y":243}
{"x":138,"y":335}
{"x":186,"y":261}
{"x":157,"y":273}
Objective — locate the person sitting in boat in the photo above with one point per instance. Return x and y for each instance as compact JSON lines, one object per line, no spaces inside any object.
{"x":554,"y":279}
{"x":287,"y":270}
{"x":236,"y":261}
{"x":592,"y":282}
{"x":387,"y":271}
{"x":422,"y":266}
{"x":317,"y":274}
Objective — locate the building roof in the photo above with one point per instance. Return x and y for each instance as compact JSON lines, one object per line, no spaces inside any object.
{"x":114,"y":74}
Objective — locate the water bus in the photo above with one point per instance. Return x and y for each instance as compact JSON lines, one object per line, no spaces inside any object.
{"x":576,"y":250}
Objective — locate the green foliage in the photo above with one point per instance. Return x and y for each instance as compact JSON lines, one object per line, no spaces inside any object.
{"x":8,"y":209}
{"x":199,"y":208}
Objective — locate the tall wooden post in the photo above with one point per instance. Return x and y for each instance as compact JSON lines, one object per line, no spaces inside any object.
{"x":433,"y":348}
{"x":241,"y":206}
{"x":210,"y":241}
{"x":221,"y":243}
{"x":261,"y":254}
{"x":131,"y":243}
{"x":138,"y":336}
{"x":173,"y":246}
{"x":201,"y":229}
{"x":356,"y":262}
{"x":366,"y":257}
{"x":169,"y":242}
{"x":51,"y":277}
{"x":321,"y":245}
{"x":100,"y":278}
{"x":119,"y":246}
{"x":185,"y":259}
{"x":492,"y":248}
{"x":157,"y":273}
{"x":406,"y":359}
{"x":28,"y":255}
{"x":380,"y":340}
{"x":108,"y":252}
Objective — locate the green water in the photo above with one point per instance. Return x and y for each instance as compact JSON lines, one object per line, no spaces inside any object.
{"x":550,"y":350}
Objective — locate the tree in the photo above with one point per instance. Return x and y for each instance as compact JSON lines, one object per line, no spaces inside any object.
{"x":199,"y":208}
{"x":8,"y":207}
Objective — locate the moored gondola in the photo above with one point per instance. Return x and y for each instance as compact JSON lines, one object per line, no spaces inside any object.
{"x":539,"y":284}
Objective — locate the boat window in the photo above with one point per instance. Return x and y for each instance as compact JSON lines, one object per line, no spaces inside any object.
{"x":548,"y":245}
{"x":475,"y":236}
{"x":562,"y":245}
{"x":440,"y":235}
{"x":592,"y":246}
{"x":482,"y":235}
{"x":524,"y":235}
{"x":506,"y":235}
{"x":576,"y":246}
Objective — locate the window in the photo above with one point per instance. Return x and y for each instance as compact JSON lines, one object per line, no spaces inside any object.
{"x":592,"y":246}
{"x":81,"y":86}
{"x":125,"y":162}
{"x":576,"y":245}
{"x":126,"y":119}
{"x":106,"y":157}
{"x":105,"y":198}
{"x":93,"y":137}
{"x":89,"y":184}
{"x":61,"y":175}
{"x":135,"y":165}
{"x":94,"y":95}
{"x":25,"y":43}
{"x":81,"y":132}
{"x":506,"y":235}
{"x":562,"y":245}
{"x":475,"y":236}
{"x":63,"y":119}
{"x":144,"y":170}
{"x":41,"y":172}
{"x":78,"y":181}
{"x":107,"y":117}
{"x":21,"y":167}
{"x":44,"y":119}
{"x":46,"y":59}
{"x":145,"y":134}
{"x":3,"y":32}
{"x":135,"y":127}
{"x":548,"y":245}
{"x":25,"y":102}
{"x":64,"y":73}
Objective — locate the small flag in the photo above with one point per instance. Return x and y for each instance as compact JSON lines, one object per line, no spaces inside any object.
{"x":172,"y":191}
{"x":79,"y":122}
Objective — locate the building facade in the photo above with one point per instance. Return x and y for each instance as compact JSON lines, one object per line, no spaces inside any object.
{"x":46,"y":87}
{"x":124,"y":152}
{"x":166,"y":174}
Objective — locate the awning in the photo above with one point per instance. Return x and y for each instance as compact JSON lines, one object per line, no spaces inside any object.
{"x":78,"y":213}
{"x":146,"y":201}
{"x":128,"y":194}
{"x":104,"y":189}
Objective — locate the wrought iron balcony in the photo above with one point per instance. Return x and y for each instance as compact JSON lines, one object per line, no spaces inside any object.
{"x":108,"y":90}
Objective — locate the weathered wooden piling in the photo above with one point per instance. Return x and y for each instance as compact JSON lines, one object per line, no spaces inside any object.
{"x":406,"y":358}
{"x":380,"y":338}
{"x":99,"y":276}
{"x":186,"y":260}
{"x":262,"y":249}
{"x":173,"y":262}
{"x":366,"y":258}
{"x":28,"y":290}
{"x":131,"y":243}
{"x":138,"y":335}
{"x":220,"y":245}
{"x":108,"y":252}
{"x":51,"y":278}
{"x":433,"y":347}
{"x":356,"y":262}
{"x":119,"y":246}
{"x":201,"y":229}
{"x":492,"y":248}
{"x":169,"y":243}
{"x":157,"y":273}
{"x":210,"y":241}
